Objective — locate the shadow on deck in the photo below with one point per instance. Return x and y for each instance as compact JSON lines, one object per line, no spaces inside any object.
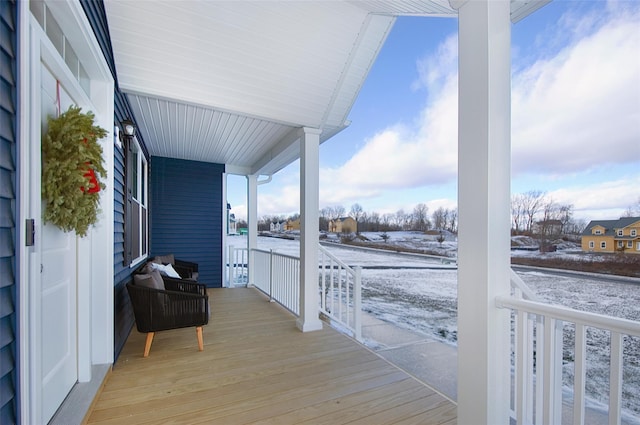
{"x":257,"y":367}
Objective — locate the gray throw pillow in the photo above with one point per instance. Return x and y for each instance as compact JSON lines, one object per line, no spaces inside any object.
{"x":149,"y":280}
{"x":164,"y":259}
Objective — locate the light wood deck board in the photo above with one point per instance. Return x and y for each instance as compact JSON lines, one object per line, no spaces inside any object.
{"x":257,"y":367}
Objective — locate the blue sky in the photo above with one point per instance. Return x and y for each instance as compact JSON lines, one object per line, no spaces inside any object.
{"x":575,"y":118}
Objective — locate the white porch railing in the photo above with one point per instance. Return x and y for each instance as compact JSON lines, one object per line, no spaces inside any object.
{"x":238,"y":268}
{"x":341,"y":293}
{"x":539,"y":330}
{"x":278,"y":275}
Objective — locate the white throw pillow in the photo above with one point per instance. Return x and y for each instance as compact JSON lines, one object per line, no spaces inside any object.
{"x":171,"y":272}
{"x":166,"y":270}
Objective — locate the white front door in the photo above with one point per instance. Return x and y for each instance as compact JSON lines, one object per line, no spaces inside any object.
{"x":57,"y":324}
{"x":66,"y":282}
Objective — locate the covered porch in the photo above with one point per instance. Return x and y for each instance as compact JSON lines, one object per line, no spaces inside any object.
{"x":254,"y":89}
{"x":258,"y":367}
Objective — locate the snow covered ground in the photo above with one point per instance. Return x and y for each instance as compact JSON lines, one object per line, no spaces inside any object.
{"x":420,"y":294}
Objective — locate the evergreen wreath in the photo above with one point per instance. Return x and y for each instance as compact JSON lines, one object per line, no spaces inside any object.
{"x":72,"y":161}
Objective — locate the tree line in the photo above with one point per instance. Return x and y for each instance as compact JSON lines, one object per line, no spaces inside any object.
{"x":532,"y":213}
{"x":371,"y":221}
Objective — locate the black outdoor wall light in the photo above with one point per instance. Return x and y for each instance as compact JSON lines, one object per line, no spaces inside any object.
{"x":128,"y":129}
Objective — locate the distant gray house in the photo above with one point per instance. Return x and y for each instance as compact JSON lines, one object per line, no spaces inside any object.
{"x":548,"y":227}
{"x":277,"y":226}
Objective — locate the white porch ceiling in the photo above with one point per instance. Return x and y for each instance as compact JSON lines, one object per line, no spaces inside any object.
{"x":232,"y":82}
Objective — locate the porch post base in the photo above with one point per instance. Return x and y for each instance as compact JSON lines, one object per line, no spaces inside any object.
{"x":309,"y":325}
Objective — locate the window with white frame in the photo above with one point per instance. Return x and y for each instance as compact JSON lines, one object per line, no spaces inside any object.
{"x":56,"y":34}
{"x":136,"y":219}
{"x":620,"y":244}
{"x":598,"y":232}
{"x":629,"y":244}
{"x":603,"y":245}
{"x":620,"y":232}
{"x":592,"y":244}
{"x":634,"y":232}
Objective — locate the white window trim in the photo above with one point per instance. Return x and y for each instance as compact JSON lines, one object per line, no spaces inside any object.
{"x":603,"y":245}
{"x":142,"y":173}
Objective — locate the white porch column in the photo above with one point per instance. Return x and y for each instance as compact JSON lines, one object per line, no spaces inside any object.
{"x":252,"y":221}
{"x":309,"y":319}
{"x":484,"y":129}
{"x":226,"y":282}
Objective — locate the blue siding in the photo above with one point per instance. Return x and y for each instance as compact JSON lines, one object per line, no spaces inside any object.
{"x":8,"y":228}
{"x":186,"y":214}
{"x":123,"y":314}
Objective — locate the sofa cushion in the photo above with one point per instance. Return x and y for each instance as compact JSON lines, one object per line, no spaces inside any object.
{"x":164,"y":259}
{"x":150,"y":280}
{"x":165,"y":269}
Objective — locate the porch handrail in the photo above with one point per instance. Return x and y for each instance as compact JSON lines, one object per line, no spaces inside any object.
{"x":566,"y":314}
{"x":341,"y":292}
{"x":238,"y":266}
{"x":538,"y":378}
{"x":518,"y":283}
{"x":278,"y":276}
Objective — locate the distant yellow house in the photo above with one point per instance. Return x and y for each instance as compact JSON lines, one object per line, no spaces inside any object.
{"x":292,"y":224}
{"x":343,"y":225}
{"x":621,"y":235}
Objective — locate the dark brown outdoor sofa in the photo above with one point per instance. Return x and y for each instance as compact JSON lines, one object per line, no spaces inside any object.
{"x":162,"y":303}
{"x":186,"y":269}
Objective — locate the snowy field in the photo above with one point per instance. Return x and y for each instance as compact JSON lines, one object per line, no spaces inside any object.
{"x":420,"y":294}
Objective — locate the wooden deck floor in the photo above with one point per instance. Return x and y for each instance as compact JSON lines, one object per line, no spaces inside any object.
{"x":257,"y":367}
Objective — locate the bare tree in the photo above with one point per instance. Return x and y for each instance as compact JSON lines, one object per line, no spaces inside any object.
{"x":453,"y":221}
{"x":338,"y":212}
{"x":333,"y":213}
{"x":401,"y":219}
{"x":633,"y":210}
{"x":420,"y":220}
{"x":532,"y":202}
{"x":356,"y":213}
{"x":374,"y":220}
{"x":363,"y":225}
{"x":326,"y":213}
{"x":386,"y":222}
{"x":517,"y":212}
{"x":551,"y":225}
{"x":575,"y":227}
{"x":439,"y":218}
{"x":264,"y":223}
{"x":565,"y":215}
{"x":323,"y":222}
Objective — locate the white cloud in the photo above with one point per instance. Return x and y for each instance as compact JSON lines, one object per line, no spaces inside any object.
{"x":405,"y":157}
{"x":566,"y":108}
{"x":573,"y":111}
{"x":581,"y":108}
{"x":284,"y":201}
{"x":606,"y":200}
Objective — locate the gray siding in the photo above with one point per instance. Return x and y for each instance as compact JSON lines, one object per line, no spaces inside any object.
{"x":8,"y":229}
